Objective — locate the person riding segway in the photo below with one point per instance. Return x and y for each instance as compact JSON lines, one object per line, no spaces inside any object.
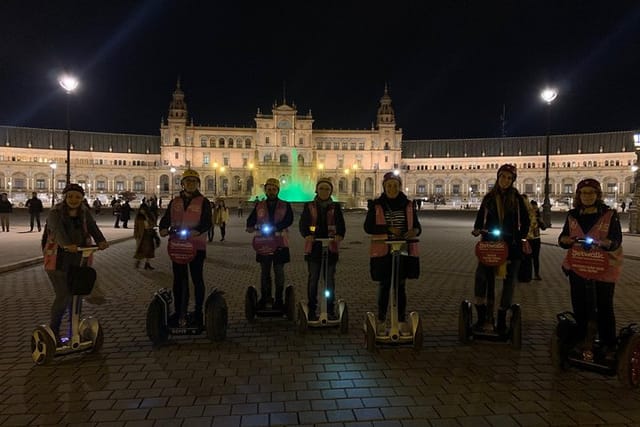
{"x":269,"y":222}
{"x":323,"y":228}
{"x":394,"y":226}
{"x":503,"y":223}
{"x":186,"y":221}
{"x":586,"y":337}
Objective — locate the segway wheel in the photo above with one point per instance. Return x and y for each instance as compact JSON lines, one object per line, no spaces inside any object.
{"x":629,"y":362}
{"x":418,"y":338}
{"x":516,"y":327}
{"x":301,"y":320}
{"x":250,"y":303}
{"x":98,"y":340}
{"x":344,"y":320}
{"x":216,"y":316}
{"x":290,"y":303}
{"x":557,"y":354}
{"x":369,"y":337}
{"x":156,"y":328}
{"x":464,"y":322}
{"x":43,"y":346}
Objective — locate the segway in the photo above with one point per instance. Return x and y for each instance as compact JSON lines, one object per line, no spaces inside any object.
{"x":265,"y":242}
{"x":163,"y":322}
{"x":590,"y":354}
{"x":490,"y":253}
{"x":342,"y":319}
{"x":85,"y":334}
{"x":398,"y":333}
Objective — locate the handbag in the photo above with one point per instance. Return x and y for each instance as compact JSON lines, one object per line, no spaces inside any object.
{"x":526,"y":247}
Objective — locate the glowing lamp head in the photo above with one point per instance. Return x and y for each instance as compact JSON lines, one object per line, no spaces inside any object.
{"x":183,"y":233}
{"x":495,"y":233}
{"x":266,"y":229}
{"x":588,"y":240}
{"x":327,"y":293}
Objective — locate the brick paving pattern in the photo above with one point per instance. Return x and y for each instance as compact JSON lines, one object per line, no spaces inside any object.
{"x":265,"y":373}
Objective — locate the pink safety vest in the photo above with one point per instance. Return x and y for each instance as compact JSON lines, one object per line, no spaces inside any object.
{"x":262,"y":217}
{"x":50,"y":251}
{"x":378,"y":248}
{"x":189,"y":218}
{"x":600,"y":231}
{"x":331,"y":226}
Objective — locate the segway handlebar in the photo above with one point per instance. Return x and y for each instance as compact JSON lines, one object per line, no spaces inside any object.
{"x":182,"y":233}
{"x":88,"y":250}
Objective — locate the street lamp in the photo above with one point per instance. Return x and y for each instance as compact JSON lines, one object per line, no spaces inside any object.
{"x":355,"y":182}
{"x":69,"y":83}
{"x":88,"y":190}
{"x":215,"y":178}
{"x":548,"y":95}
{"x":173,"y":171}
{"x":53,"y":167}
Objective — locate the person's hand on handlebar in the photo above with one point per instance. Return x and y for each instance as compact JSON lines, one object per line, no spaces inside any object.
{"x":338,"y":238}
{"x":395,"y":232}
{"x":567,"y":240}
{"x":164,"y":232}
{"x":103,"y":245}
{"x":476,"y":232}
{"x":72,"y":248}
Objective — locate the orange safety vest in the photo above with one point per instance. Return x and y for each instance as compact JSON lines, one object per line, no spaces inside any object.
{"x":378,"y":247}
{"x":599,"y":232}
{"x":189,"y":218}
{"x":262,"y":217}
{"x":331,"y":226}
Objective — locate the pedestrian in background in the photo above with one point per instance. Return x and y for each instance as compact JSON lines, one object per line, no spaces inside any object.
{"x":146,"y":238}
{"x":220,"y":217}
{"x":533,"y":237}
{"x":6,"y":208}
{"x":97,"y":205}
{"x":116,"y":206}
{"x":35,"y":209}
{"x":125,"y":214}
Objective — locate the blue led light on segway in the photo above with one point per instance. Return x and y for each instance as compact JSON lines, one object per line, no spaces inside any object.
{"x":495,"y":232}
{"x":183,"y":233}
{"x":588,"y":240}
{"x":64,"y":339}
{"x":266,"y":228}
{"x":327,"y":293}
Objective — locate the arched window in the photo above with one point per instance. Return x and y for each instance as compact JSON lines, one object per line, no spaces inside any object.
{"x":221,"y":143}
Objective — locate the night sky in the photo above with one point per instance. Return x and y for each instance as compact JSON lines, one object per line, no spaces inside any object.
{"x":450,"y":65}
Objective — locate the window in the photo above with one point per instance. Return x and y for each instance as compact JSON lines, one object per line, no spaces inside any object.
{"x":336,"y":145}
{"x":138,"y":186}
{"x":247,"y":143}
{"x":40,"y":184}
{"x":568,"y":188}
{"x":119,"y":185}
{"x":528,"y":188}
{"x":176,"y":155}
{"x":101,"y":186}
{"x":221,"y":143}
{"x":361,"y":146}
{"x":301,"y":141}
{"x":206,"y":159}
{"x":455,"y":188}
{"x":230,"y":142}
{"x":345,"y":146}
{"x":284,"y":140}
{"x":266,"y":140}
{"x":438,"y":189}
{"x":203,"y":141}
{"x":176,"y":142}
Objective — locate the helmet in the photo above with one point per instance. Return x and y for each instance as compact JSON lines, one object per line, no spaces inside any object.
{"x":391,"y":175}
{"x":589,"y":182}
{"x":508,"y":168}
{"x":73,"y":187}
{"x":190,"y":173}
{"x":274,"y":182}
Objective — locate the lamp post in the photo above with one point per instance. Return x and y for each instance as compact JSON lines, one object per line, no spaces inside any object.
{"x":69,"y":83}
{"x":634,"y":218}
{"x":249,"y":184}
{"x":355,"y":183}
{"x":548,"y":95}
{"x":215,"y":179}
{"x":173,"y":180}
{"x":53,"y":167}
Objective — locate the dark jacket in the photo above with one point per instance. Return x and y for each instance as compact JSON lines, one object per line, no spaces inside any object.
{"x":322,"y":229}
{"x":515,"y":222}
{"x":6,"y":206}
{"x":34,"y":204}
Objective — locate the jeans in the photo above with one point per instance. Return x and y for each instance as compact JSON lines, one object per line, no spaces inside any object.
{"x":315,"y":271}
{"x":265,"y":279}
{"x":181,"y":284}
{"x":62,"y":300}
{"x":580,"y":301}
{"x":384,"y":288}
{"x":485,"y":284}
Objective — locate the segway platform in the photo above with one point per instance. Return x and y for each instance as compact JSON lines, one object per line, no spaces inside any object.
{"x":253,"y":310}
{"x":467,"y":333}
{"x":160,"y":324}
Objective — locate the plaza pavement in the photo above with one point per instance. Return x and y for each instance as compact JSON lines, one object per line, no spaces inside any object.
{"x":265,"y":373}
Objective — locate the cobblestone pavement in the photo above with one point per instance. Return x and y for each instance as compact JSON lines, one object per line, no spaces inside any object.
{"x":265,"y":373}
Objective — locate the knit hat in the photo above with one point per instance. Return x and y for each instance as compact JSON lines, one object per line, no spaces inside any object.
{"x":73,"y":187}
{"x":589,"y":182}
{"x":508,"y":168}
{"x":325,"y":180}
{"x":391,"y":175}
{"x":274,"y":182}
